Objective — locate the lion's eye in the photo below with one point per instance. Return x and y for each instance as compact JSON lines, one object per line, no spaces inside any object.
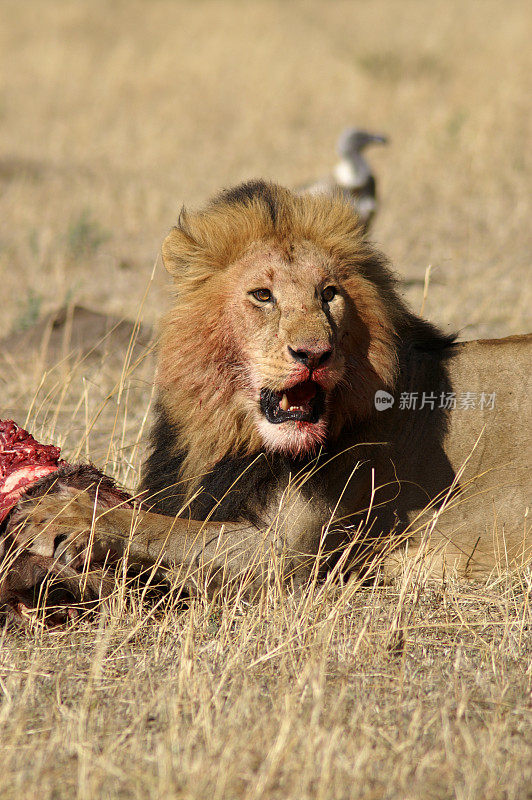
{"x":328,"y":293}
{"x":262,"y":295}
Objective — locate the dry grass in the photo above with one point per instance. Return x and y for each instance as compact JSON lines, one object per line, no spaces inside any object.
{"x":111,"y":116}
{"x":414,"y":692}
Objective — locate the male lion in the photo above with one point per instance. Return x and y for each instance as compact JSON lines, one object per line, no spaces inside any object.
{"x":302,"y":405}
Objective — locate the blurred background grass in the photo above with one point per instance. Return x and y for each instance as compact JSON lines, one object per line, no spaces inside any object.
{"x":112,"y":115}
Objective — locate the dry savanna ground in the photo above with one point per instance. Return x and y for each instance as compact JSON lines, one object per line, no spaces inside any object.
{"x":112,"y":115}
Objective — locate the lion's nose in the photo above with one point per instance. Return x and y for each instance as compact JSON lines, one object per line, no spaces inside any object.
{"x":313,"y":356}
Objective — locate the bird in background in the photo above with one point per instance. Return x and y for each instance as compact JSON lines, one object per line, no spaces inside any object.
{"x":352,"y":176}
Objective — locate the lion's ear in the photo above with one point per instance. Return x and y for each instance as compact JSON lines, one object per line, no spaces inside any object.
{"x":180,"y":246}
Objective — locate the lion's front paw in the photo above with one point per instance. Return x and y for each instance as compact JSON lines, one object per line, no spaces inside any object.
{"x":54,"y":526}
{"x":48,"y":559}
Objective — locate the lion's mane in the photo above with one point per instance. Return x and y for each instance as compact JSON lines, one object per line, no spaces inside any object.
{"x":201,"y":420}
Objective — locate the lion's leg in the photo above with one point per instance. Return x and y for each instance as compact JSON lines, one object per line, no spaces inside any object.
{"x":75,"y":531}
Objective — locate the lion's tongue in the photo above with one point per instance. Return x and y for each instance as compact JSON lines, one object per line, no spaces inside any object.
{"x":300,"y":395}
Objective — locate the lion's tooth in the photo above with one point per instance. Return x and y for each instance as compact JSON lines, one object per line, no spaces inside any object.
{"x":284,"y":405}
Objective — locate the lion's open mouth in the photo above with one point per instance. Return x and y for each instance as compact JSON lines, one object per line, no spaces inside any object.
{"x":304,"y":402}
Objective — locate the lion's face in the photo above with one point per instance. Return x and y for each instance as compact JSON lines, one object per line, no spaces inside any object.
{"x":290,"y":315}
{"x":282,"y":329}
